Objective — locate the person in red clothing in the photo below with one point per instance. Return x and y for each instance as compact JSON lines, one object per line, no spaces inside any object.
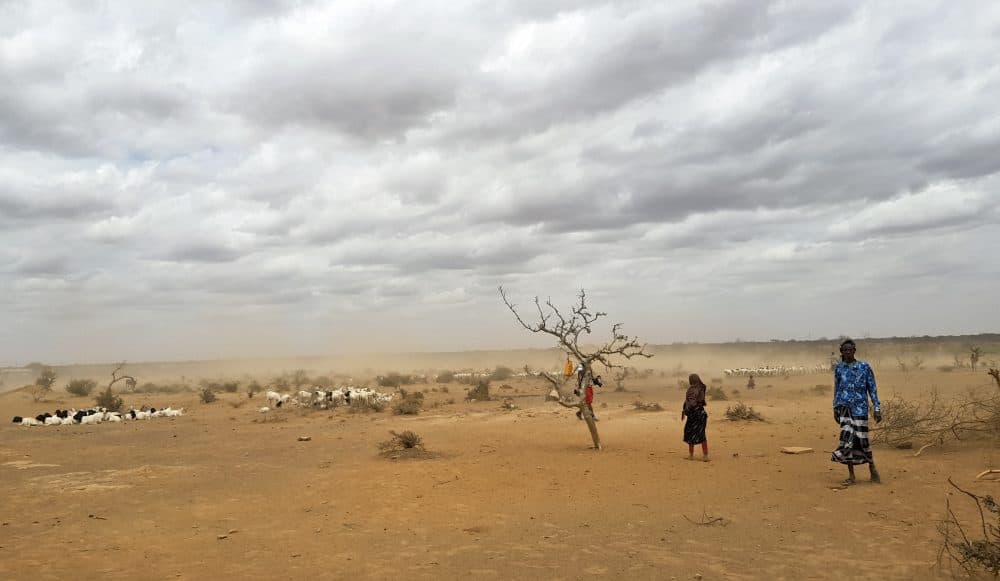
{"x":588,"y":391}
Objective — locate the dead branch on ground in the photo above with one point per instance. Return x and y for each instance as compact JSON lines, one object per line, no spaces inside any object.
{"x":975,"y":554}
{"x":707,"y":520}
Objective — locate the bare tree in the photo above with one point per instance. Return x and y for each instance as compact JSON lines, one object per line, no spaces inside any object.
{"x":569,"y":330}
{"x":975,"y":352}
{"x":43,"y":384}
{"x":116,"y":376}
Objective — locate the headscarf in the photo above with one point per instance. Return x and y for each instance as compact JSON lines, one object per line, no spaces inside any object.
{"x":695,"y":396}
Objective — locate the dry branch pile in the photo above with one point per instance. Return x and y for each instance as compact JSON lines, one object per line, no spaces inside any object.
{"x":975,"y":551}
{"x":934,"y":420}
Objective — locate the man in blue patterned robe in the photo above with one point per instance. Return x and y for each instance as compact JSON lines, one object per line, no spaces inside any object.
{"x":854,"y":384}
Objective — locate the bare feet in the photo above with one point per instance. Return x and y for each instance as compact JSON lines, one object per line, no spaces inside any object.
{"x":847,"y":482}
{"x":704,"y":458}
{"x":876,"y":479}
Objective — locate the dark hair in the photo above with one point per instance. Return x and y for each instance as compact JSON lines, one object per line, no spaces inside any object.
{"x":848,"y":342}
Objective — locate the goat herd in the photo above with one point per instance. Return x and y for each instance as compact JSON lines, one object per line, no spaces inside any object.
{"x":95,"y":416}
{"x":777,"y":370}
{"x":323,"y":399}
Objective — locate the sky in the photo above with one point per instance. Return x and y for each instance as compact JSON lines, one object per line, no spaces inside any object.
{"x":200,"y":180}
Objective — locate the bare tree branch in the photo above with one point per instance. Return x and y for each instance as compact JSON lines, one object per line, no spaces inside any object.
{"x":570,"y":330}
{"x":115,"y":378}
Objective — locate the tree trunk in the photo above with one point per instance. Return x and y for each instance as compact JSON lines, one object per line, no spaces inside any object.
{"x":591,"y":425}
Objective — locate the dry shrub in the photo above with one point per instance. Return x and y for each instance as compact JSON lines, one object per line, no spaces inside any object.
{"x":364,"y":406}
{"x":508,"y":405}
{"x":479,"y":393}
{"x":741,"y":412}
{"x":81,"y":387}
{"x":975,"y":551}
{"x":206,"y":395}
{"x":409,"y":406}
{"x":150,"y":387}
{"x":405,"y":444}
{"x":716,"y":394}
{"x":108,"y":400}
{"x":394,"y":379}
{"x":647,"y":407}
{"x":934,"y":420}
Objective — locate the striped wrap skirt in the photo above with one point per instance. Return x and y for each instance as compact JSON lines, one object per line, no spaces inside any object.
{"x":854,"y":447}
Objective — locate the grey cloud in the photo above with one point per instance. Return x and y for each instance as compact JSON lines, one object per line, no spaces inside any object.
{"x":40,"y":205}
{"x":200,"y":251}
{"x":278,"y":159}
{"x":53,"y":265}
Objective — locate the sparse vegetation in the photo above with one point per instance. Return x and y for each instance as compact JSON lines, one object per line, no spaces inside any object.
{"x":409,"y":404}
{"x":445,"y":377}
{"x":716,"y":394}
{"x":647,"y":407}
{"x":501,"y":373}
{"x":975,"y":352}
{"x":975,"y":551}
{"x":741,"y":412}
{"x":299,"y":378}
{"x":81,"y":387}
{"x":206,"y":395}
{"x":479,"y":393}
{"x":150,"y":387}
{"x":935,"y":420}
{"x":43,"y":384}
{"x":394,"y":379}
{"x":253,"y":388}
{"x":108,"y":400}
{"x":401,"y":443}
{"x":359,"y":405}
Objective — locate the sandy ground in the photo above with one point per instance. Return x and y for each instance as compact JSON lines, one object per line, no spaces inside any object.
{"x":511,"y":494}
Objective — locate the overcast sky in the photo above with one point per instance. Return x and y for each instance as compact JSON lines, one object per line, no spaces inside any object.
{"x":194,"y":180}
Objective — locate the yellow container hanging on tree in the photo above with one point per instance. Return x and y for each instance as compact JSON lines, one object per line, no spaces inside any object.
{"x":568,"y":368}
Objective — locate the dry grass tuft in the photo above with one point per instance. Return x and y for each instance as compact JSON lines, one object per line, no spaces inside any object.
{"x":741,"y":412}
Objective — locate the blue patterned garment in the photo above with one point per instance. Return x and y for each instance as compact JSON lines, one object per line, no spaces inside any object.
{"x":852,"y":384}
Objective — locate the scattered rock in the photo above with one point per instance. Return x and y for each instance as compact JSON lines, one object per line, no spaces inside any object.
{"x":305,"y":438}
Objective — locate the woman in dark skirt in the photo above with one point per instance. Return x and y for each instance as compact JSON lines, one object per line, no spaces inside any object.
{"x":697,"y":417}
